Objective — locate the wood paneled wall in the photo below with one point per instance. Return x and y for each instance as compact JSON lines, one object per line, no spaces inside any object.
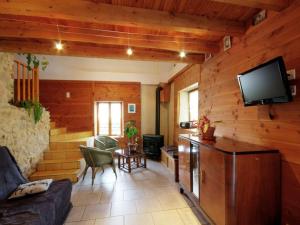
{"x":279,"y":35}
{"x":187,"y":78}
{"x":77,"y":112}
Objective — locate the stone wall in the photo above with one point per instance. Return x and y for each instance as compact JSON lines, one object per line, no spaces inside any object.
{"x":26,"y":140}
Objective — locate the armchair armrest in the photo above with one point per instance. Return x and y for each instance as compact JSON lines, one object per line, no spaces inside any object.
{"x":114,"y":139}
{"x":97,"y":151}
{"x":112,"y":150}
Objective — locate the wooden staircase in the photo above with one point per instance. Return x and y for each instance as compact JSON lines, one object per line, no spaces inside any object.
{"x":62,"y":159}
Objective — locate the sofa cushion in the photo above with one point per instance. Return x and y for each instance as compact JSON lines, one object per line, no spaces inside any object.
{"x":31,"y":188}
{"x":10,"y":174}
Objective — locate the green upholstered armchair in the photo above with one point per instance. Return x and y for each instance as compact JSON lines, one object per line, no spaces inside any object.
{"x":106,"y":143}
{"x":96,"y":159}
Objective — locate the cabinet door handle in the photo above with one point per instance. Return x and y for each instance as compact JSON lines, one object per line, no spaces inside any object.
{"x":202,"y":176}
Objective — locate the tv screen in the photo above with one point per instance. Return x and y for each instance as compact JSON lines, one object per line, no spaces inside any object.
{"x":265,"y":84}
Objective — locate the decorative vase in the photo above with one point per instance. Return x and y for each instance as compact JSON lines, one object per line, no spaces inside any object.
{"x":209,"y":134}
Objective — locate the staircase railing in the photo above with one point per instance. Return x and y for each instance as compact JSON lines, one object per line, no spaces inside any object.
{"x":26,"y":83}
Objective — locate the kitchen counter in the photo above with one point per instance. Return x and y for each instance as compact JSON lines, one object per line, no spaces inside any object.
{"x":229,"y":146}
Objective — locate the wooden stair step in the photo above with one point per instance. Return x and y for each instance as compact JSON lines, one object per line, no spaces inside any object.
{"x":52,"y":125}
{"x":58,"y":164}
{"x":58,"y":131}
{"x":72,"y":174}
{"x":65,"y":149}
{"x":71,"y":136}
{"x":52,"y":155}
{"x":60,"y":145}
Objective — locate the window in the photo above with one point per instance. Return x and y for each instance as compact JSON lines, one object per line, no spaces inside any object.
{"x":193,"y":105}
{"x":110,"y":119}
{"x":188,"y":103}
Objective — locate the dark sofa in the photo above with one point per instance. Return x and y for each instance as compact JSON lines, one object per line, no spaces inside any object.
{"x":48,"y":208}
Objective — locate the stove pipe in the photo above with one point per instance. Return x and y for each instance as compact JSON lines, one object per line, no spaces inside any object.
{"x":157,"y":113}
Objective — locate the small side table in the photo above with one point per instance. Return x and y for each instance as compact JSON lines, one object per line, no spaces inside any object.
{"x":129,"y":160}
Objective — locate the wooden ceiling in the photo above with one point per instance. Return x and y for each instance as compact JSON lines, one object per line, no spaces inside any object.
{"x":155,"y":29}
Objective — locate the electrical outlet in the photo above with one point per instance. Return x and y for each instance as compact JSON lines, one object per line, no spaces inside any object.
{"x":291,"y":74}
{"x":293,"y":90}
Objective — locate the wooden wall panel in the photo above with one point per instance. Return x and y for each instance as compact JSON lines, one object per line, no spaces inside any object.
{"x":187,"y":78}
{"x":219,"y":91}
{"x":76,"y":112}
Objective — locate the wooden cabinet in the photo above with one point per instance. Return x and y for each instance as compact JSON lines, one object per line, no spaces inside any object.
{"x":212,"y":184}
{"x":239,"y":182}
{"x":184,"y":157}
{"x":171,"y":162}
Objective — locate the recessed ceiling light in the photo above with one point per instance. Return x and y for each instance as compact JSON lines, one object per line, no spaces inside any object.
{"x":129,"y":51}
{"x":58,"y":45}
{"x":182,"y":54}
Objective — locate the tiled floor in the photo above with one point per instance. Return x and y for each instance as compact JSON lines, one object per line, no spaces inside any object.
{"x":144,"y":197}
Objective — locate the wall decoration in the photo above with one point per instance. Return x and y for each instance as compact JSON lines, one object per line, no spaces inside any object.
{"x":227,"y":42}
{"x":291,"y":74}
{"x":259,"y":17}
{"x":208,"y":56}
{"x":131,"y":108}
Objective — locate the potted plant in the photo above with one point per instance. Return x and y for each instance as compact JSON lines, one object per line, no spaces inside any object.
{"x":131,"y":132}
{"x":33,"y":108}
{"x":206,"y":129}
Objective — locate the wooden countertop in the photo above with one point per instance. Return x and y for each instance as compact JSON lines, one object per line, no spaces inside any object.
{"x":229,"y":146}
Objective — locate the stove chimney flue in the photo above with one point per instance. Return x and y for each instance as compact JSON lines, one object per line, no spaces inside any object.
{"x":157,"y":109}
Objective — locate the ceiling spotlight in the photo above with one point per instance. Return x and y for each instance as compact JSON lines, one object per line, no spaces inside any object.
{"x":182,"y":54}
{"x":129,"y":51}
{"x":58,"y":45}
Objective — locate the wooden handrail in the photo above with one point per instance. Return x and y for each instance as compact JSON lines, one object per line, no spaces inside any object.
{"x":28,"y":89}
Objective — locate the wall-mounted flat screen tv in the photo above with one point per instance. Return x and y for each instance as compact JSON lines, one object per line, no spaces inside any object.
{"x":265,"y":84}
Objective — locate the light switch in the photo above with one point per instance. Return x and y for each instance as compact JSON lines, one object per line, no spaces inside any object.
{"x":68,"y":95}
{"x":293,"y":90}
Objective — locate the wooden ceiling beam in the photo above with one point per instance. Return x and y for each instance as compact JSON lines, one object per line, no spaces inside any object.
{"x":93,"y":50}
{"x":95,"y":12}
{"x":276,"y":5}
{"x":28,"y":29}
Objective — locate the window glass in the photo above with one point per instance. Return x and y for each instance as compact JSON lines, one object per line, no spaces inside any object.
{"x":110,"y":118}
{"x":103,"y":118}
{"x":116,"y":117}
{"x":193,"y":105}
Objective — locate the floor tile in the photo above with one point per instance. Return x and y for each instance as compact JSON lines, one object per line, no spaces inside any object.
{"x":82,"y":198}
{"x":112,"y":196}
{"x":144,"y":197}
{"x":118,"y":220}
{"x":188,"y":217}
{"x":147,"y":205}
{"x":97,"y":211}
{"x":133,"y":194}
{"x":75,"y":214}
{"x":172,"y":201}
{"x":139,"y":219}
{"x":123,"y":208}
{"x":84,"y":222}
{"x":170,"y":217}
